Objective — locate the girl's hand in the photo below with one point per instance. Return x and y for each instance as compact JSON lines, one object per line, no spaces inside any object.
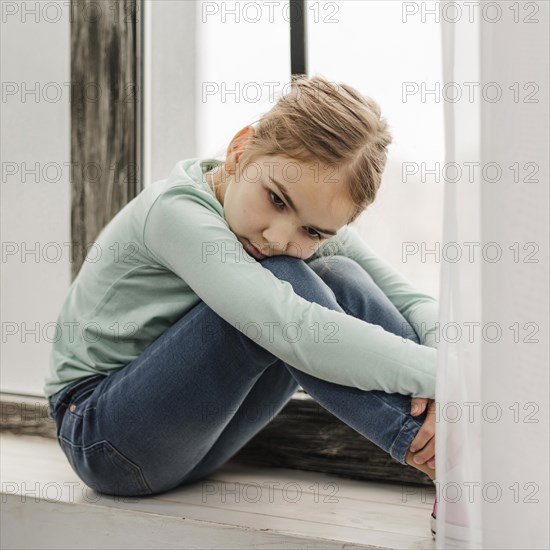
{"x":424,"y":442}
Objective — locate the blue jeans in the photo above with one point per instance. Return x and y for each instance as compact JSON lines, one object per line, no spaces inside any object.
{"x":202,"y":390}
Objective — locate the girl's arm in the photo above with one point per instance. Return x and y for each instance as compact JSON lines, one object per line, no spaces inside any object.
{"x":419,"y":309}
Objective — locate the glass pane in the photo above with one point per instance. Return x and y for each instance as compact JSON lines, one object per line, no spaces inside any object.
{"x":243,"y":62}
{"x":393,"y":55}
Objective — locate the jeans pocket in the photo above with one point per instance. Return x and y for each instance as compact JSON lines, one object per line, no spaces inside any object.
{"x":78,"y":403}
{"x":106,"y":470}
{"x":77,"y":390}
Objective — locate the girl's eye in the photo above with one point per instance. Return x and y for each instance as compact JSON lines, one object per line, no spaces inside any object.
{"x":282,"y":205}
{"x":316,"y":236}
{"x":276,"y":204}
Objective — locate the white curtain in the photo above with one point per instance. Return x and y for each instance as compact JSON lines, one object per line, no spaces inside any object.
{"x":492,"y":444}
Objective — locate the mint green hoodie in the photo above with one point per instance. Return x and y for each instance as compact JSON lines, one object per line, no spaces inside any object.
{"x":170,"y":247}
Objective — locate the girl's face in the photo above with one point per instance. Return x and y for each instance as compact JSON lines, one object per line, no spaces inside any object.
{"x":282,"y":206}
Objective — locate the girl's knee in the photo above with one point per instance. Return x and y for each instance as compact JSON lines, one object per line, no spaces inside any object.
{"x":347,"y":279}
{"x":338,"y":267}
{"x":304,"y":281}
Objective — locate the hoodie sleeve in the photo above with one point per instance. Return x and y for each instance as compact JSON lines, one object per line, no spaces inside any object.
{"x":184,"y":233}
{"x":419,"y":309}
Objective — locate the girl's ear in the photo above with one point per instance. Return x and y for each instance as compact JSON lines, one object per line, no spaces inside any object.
{"x":239,"y":141}
{"x":237,"y":146}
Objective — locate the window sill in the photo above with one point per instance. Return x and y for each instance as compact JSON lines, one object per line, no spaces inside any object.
{"x":45,"y":505}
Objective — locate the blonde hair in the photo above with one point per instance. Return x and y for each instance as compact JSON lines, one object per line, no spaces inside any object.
{"x":321,"y":121}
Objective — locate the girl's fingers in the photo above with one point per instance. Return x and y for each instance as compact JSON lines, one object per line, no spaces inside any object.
{"x":426,"y":454}
{"x":423,"y":445}
{"x":418,"y":405}
{"x":425,"y":433}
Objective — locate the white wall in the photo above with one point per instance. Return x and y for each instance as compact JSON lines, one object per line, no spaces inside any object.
{"x":493,"y":428}
{"x":35,"y":210}
{"x":516,"y":290}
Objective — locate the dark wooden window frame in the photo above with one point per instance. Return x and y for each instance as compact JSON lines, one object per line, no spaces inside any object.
{"x":107,"y":132}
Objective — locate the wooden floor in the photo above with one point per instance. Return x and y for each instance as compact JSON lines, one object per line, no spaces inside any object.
{"x":237,"y":507}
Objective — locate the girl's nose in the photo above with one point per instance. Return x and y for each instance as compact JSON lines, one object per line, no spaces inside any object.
{"x":278,"y":239}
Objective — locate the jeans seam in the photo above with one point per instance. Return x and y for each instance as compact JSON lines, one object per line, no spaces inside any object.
{"x":409,"y":424}
{"x":401,"y":440}
{"x":115,"y":455}
{"x":347,"y":310}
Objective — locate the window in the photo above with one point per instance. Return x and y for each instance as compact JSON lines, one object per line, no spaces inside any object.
{"x":395,"y":59}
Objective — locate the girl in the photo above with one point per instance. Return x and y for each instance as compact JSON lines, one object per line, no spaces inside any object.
{"x":222,"y":289}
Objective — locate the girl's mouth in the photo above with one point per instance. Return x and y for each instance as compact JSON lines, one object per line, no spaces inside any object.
{"x":254,"y":251}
